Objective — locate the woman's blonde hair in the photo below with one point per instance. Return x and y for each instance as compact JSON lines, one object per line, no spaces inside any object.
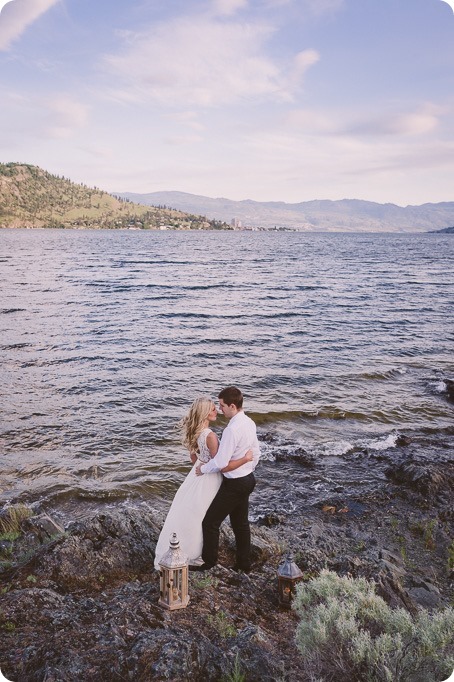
{"x":192,"y":424}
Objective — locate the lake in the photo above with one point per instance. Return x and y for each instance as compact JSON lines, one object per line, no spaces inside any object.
{"x":339,"y":342}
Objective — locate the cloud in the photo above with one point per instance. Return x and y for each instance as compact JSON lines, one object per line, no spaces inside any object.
{"x":188,"y":119}
{"x":422,"y":121}
{"x":319,"y":7}
{"x":229,"y":7}
{"x":65,"y":115}
{"x":204,"y":62}
{"x":182,"y":140}
{"x":414,"y":123}
{"x":40,"y":118}
{"x":17,"y":15}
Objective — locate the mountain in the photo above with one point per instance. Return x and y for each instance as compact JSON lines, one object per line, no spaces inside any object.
{"x":32,"y":197}
{"x":446,"y":230}
{"x":346,"y":215}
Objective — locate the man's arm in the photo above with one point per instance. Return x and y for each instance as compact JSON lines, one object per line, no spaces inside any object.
{"x":256,"y":451}
{"x":237,"y":463}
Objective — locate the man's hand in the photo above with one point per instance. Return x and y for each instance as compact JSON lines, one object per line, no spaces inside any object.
{"x":198,"y":471}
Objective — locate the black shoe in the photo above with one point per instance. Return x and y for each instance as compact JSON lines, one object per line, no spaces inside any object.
{"x":243,"y":569}
{"x":200,"y":567}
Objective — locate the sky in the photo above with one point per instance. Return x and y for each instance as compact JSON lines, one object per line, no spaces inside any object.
{"x":270,"y":100}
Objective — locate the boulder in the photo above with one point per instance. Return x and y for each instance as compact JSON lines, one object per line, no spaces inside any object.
{"x":44,"y":527}
{"x":426,"y":478}
{"x":449,"y":389}
{"x":114,"y":543}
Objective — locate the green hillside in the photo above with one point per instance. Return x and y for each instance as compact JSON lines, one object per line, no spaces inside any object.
{"x":32,"y":197}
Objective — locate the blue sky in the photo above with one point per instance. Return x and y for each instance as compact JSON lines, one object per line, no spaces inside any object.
{"x":272,"y":100}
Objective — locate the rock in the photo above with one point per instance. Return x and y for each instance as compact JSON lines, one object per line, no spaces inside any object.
{"x":172,"y":655}
{"x":390,"y":589}
{"x":426,"y":478}
{"x":250,"y":650}
{"x":426,"y":598}
{"x":263,"y":543}
{"x":111,"y":544}
{"x":296,"y":454}
{"x":449,"y":389}
{"x":391,"y":558}
{"x":402,"y":440}
{"x":270,"y":519}
{"x":44,"y":527}
{"x":394,"y":570}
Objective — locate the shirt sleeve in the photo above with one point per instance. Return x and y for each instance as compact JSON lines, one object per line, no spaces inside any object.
{"x":256,"y":452}
{"x":224,"y":454}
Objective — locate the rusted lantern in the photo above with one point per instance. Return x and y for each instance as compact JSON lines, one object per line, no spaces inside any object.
{"x":288,"y":576}
{"x":173,"y":571}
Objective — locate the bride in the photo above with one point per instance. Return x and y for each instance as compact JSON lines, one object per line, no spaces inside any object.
{"x":196,"y":493}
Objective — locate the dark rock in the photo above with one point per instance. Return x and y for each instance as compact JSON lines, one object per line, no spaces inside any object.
{"x":391,"y":557}
{"x":390,"y":589}
{"x":402,"y":440}
{"x":428,"y":599}
{"x":270,"y":519}
{"x":44,"y":527}
{"x":171,"y":655}
{"x":449,"y":390}
{"x":296,"y":454}
{"x":109,"y":545}
{"x":426,"y":478}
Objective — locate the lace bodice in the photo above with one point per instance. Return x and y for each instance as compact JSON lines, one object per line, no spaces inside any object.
{"x":204,"y":453}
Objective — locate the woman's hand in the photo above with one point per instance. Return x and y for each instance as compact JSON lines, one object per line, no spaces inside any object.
{"x":249,"y":456}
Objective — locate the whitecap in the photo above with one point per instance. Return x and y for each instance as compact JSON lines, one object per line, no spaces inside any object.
{"x":384,"y":443}
{"x":337,"y":448}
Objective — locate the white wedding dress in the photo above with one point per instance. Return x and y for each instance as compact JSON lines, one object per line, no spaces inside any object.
{"x":188,"y":508}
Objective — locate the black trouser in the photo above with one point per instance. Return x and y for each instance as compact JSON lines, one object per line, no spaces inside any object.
{"x":231,"y":499}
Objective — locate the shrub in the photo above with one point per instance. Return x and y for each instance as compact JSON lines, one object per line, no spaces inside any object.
{"x":348,"y":633}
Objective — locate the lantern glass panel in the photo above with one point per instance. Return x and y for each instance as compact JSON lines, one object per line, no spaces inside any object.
{"x":176,"y":587}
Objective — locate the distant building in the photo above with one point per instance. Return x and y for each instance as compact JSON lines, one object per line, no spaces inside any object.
{"x":236,"y":223}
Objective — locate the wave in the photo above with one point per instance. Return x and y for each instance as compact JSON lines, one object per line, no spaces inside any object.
{"x":16,"y":346}
{"x":261,"y":418}
{"x":294,"y":415}
{"x":441,"y":386}
{"x":391,"y":416}
{"x":383,"y":376}
{"x":385,"y":443}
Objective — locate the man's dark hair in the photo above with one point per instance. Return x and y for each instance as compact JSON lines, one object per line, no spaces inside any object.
{"x":232,"y":396}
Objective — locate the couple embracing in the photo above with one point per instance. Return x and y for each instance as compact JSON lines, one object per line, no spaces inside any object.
{"x":218,"y":485}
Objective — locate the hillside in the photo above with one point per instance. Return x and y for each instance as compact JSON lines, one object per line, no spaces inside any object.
{"x":347,"y":215}
{"x":32,"y":197}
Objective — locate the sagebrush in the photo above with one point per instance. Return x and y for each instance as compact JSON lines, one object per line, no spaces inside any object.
{"x":348,"y":633}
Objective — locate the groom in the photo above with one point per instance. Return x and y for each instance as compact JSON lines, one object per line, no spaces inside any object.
{"x":233,"y":496}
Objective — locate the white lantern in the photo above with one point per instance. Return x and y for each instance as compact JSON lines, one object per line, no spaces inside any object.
{"x":173,"y":580}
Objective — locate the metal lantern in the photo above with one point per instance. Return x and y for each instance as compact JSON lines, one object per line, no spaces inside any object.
{"x":288,"y":575}
{"x":173,"y":577}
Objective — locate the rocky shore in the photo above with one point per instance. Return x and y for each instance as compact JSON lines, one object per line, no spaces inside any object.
{"x":80,"y":602}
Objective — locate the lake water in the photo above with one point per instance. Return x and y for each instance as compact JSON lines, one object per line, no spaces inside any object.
{"x":339,"y":342}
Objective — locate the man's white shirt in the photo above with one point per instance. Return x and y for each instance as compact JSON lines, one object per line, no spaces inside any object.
{"x":238,"y":437}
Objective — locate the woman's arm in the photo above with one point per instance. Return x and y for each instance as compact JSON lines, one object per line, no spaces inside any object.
{"x":212,"y":442}
{"x":193,"y":456}
{"x":235,"y":463}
